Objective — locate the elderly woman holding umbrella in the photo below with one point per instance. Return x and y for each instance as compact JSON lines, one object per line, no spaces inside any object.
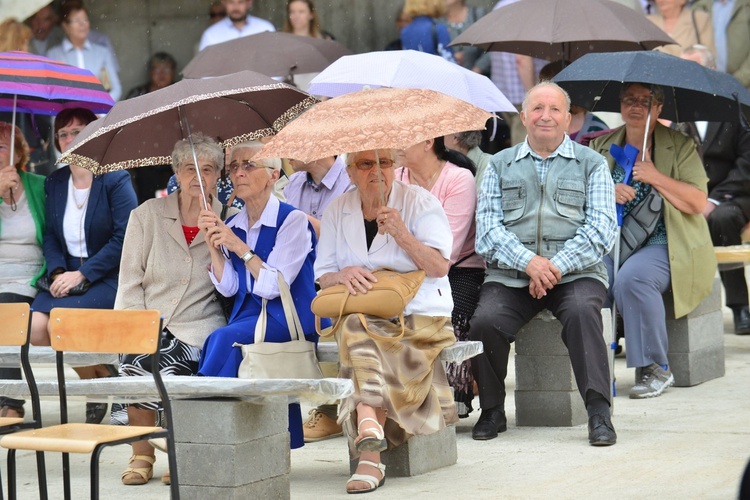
{"x":164,"y":260}
{"x":677,"y":254}
{"x":21,"y":230}
{"x":265,"y":238}
{"x":400,"y":385}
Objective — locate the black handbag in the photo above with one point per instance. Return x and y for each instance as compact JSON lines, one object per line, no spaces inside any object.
{"x":640,"y":224}
{"x":44,"y":282}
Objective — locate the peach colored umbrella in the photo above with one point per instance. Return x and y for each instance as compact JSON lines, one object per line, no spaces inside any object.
{"x":382,"y":118}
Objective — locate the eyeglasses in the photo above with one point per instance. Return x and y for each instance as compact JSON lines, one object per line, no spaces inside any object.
{"x":246,"y":166}
{"x":368,"y":164}
{"x":65,"y":135}
{"x":634,"y":101}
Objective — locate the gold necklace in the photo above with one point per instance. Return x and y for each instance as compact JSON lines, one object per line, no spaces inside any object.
{"x":75,"y":199}
{"x":431,"y":180}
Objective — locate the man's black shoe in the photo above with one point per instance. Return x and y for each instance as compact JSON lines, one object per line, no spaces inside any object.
{"x":491,"y":422}
{"x":742,"y":321}
{"x":601,"y":431}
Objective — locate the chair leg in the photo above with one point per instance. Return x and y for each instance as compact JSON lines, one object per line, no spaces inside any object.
{"x":66,"y":476}
{"x":95,"y":472}
{"x":41,"y":472}
{"x":12,"y":474}
{"x":174,"y":485}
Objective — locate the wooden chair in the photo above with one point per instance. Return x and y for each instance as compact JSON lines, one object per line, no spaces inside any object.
{"x":96,"y":330}
{"x":15,"y":330}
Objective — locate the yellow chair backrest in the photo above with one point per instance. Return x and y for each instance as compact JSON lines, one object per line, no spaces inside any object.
{"x":105,"y":330}
{"x":14,"y":323}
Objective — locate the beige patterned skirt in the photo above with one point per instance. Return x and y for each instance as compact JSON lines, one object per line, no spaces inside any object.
{"x":405,"y":377}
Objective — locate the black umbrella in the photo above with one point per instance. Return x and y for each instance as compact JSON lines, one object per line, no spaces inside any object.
{"x":692,"y":92}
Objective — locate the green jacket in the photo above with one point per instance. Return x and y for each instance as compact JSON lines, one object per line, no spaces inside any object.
{"x":33,"y":185}
{"x":738,"y":39}
{"x":691,"y":253}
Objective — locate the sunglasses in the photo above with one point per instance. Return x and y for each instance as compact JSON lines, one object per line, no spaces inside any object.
{"x":368,"y":164}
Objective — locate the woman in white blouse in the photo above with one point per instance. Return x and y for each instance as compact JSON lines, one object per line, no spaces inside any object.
{"x":266,"y":237}
{"x":78,"y":50}
{"x":400,"y":385}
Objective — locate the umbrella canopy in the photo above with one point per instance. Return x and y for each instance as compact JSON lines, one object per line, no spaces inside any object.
{"x":692,"y":92}
{"x":563,"y":29}
{"x":45,"y":86}
{"x":20,"y":9}
{"x":143,"y":131}
{"x":268,"y":53}
{"x":373,"y":119}
{"x":409,"y":69}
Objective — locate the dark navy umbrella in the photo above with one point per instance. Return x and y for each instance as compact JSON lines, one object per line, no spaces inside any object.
{"x":692,"y":92}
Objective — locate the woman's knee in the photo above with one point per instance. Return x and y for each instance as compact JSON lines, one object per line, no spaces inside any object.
{"x":40,"y":329}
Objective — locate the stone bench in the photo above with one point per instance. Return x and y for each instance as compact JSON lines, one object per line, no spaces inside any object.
{"x":546,"y":393}
{"x":419,"y":454}
{"x":696,"y":341}
{"x":220,"y":424}
{"x":11,"y":357}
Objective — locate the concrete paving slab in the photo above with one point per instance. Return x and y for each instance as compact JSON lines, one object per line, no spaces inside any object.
{"x":692,"y":442}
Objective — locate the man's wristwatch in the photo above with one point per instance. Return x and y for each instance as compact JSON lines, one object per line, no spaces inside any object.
{"x":247,"y":256}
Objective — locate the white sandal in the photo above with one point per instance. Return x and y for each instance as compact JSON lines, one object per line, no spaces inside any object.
{"x":373,"y":481}
{"x":376,"y":441}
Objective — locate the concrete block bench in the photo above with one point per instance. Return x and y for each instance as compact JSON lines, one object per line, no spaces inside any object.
{"x":420,"y":454}
{"x":696,"y":341}
{"x":231,"y":434}
{"x":546,"y":394}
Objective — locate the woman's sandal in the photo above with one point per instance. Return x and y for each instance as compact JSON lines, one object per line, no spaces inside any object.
{"x":374,"y":482}
{"x":375,"y":441}
{"x":139,"y":475}
{"x":166,"y":478}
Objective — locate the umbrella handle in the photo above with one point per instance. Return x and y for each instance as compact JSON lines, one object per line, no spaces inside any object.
{"x":195,"y":158}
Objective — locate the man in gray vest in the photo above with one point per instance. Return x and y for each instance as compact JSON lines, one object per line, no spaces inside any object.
{"x":545,"y":218}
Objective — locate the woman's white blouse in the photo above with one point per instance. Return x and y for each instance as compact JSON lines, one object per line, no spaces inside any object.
{"x":343,"y":242}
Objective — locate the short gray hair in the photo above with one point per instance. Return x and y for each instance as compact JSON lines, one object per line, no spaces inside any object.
{"x":350,"y":158}
{"x":470,"y":139}
{"x":546,"y":83}
{"x":707,"y":58}
{"x":206,"y":148}
{"x":272,"y":163}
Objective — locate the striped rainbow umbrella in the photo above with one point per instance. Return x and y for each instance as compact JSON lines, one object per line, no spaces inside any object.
{"x":40,"y":85}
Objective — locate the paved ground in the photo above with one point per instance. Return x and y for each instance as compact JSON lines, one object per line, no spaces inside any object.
{"x":689,"y":443}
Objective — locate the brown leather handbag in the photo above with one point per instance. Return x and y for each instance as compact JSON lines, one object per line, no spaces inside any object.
{"x":387,"y":299}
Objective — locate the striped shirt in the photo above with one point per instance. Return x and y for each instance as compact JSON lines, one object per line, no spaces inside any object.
{"x":592,"y":240}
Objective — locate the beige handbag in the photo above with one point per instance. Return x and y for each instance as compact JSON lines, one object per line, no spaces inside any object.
{"x":386,"y":299}
{"x":269,"y":360}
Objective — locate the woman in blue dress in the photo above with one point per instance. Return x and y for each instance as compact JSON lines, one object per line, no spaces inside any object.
{"x":266,"y":237}
{"x":86,"y":218}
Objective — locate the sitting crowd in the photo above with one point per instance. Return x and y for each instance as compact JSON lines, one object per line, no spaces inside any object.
{"x":487,"y":271}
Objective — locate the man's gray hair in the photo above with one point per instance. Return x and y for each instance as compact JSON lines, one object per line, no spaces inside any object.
{"x":206,"y":148}
{"x":546,"y":83}
{"x":272,"y":163}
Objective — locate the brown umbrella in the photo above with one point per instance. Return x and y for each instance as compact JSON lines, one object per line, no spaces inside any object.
{"x":563,"y":29}
{"x":269,"y":53}
{"x":382,"y":118}
{"x":143,"y":131}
